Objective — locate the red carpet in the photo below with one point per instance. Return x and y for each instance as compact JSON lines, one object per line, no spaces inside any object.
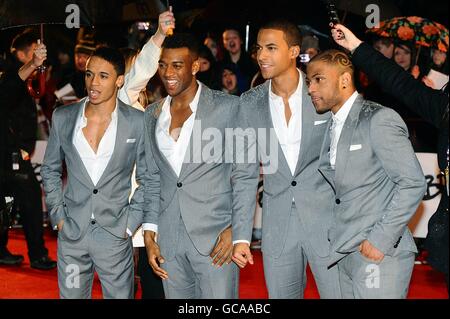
{"x":24,"y":282}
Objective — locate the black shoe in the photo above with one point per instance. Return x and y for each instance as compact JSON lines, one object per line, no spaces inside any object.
{"x":9,"y":259}
{"x":43,"y":263}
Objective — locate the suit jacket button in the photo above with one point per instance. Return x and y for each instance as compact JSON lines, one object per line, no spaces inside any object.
{"x":294,"y":183}
{"x":338,"y":201}
{"x":95,"y":191}
{"x":179,"y":184}
{"x":93,"y":222}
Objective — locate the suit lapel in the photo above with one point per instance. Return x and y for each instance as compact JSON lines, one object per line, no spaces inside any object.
{"x":345,"y":139}
{"x":308,"y":111}
{"x":77,"y":110}
{"x":152,"y":133}
{"x":205,"y":103}
{"x":266,"y":121}
{"x":123,"y":131}
{"x":324,"y":160}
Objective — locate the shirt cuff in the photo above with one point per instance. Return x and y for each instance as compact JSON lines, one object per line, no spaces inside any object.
{"x":129,"y":232}
{"x":241,"y":241}
{"x":149,"y":226}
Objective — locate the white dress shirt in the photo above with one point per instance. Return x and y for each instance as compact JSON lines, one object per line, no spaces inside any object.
{"x":337,"y":126}
{"x":289,"y":135}
{"x":174,"y":151}
{"x":95,"y":163}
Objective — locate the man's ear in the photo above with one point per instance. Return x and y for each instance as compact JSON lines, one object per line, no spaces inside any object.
{"x":295,"y":51}
{"x":195,"y":67}
{"x":346,"y":80}
{"x":120,"y":80}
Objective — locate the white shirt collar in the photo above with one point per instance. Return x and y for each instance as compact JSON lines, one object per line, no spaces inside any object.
{"x":83,"y":120}
{"x":343,"y":112}
{"x":298,"y":91}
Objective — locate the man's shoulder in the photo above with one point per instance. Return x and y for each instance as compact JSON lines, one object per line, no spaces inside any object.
{"x":68,"y":110}
{"x":221,"y":98}
{"x":255,"y":93}
{"x":376,"y":113}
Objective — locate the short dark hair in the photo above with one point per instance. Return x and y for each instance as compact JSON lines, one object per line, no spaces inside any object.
{"x":23,"y":41}
{"x":383,"y":40}
{"x":335,"y":58}
{"x":291,"y":32}
{"x":113,"y":56}
{"x":183,"y":40}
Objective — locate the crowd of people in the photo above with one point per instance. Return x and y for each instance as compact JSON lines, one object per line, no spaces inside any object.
{"x":119,"y":136}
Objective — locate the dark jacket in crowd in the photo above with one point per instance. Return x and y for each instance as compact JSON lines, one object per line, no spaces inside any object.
{"x":432,"y":106}
{"x":245,"y":67}
{"x":18,"y":118}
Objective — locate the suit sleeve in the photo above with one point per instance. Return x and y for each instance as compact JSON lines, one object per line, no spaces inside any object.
{"x":142,"y":70}
{"x":389,"y":139}
{"x":428,"y":103}
{"x":51,"y":172}
{"x":244,"y":176}
{"x":152,"y":189}
{"x":137,"y":202}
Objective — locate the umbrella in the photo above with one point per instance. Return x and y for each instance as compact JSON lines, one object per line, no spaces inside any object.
{"x":18,"y":13}
{"x":420,"y":31}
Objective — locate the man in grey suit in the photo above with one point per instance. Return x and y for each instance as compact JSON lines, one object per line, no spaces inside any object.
{"x":202,"y":195}
{"x":376,"y":179}
{"x":296,"y":202}
{"x":100,"y":139}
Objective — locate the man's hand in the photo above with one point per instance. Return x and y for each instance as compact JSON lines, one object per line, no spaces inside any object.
{"x":39,"y":54}
{"x":166,"y":21}
{"x":344,"y":37}
{"x":428,"y":82}
{"x":242,"y":254}
{"x":60,"y":224}
{"x":371,"y":252}
{"x":223,"y":249}
{"x":154,"y":254}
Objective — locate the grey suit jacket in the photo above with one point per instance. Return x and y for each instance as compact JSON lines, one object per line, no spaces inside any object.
{"x":311,"y":193}
{"x":209,"y":196}
{"x":377,"y":182}
{"x":108,"y":200}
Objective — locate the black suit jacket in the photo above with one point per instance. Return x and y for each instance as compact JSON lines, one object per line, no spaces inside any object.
{"x":18,"y":119}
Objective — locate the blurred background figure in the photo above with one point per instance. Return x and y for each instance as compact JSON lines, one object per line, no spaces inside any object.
{"x":234,"y":54}
{"x":230,"y":80}
{"x":385,"y":46}
{"x":19,"y":113}
{"x":212,"y":45}
{"x":208,"y":68}
{"x":310,"y":46}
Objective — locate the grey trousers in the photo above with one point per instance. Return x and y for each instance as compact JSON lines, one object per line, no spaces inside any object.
{"x":362,"y":278}
{"x":110,"y":256}
{"x":192,"y":275}
{"x":286,"y":275}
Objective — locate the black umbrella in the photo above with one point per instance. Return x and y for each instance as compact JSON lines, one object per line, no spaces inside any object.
{"x":18,"y":13}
